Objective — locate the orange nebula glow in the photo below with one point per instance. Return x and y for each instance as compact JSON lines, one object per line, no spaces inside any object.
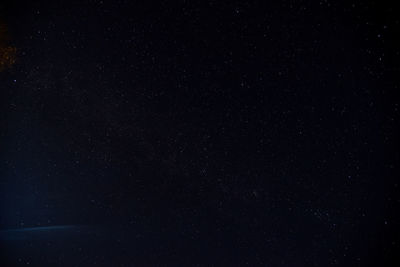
{"x":7,"y":52}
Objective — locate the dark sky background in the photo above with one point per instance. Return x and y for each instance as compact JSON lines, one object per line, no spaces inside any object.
{"x":200,"y":133}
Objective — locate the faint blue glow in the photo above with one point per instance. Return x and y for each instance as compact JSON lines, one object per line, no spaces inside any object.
{"x":42,"y":228}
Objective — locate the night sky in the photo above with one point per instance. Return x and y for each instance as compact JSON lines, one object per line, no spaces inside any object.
{"x":199,"y":133}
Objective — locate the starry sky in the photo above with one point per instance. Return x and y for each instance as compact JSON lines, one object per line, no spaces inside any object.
{"x":199,"y":133}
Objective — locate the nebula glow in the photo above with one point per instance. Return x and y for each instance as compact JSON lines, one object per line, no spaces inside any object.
{"x":7,"y":52}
